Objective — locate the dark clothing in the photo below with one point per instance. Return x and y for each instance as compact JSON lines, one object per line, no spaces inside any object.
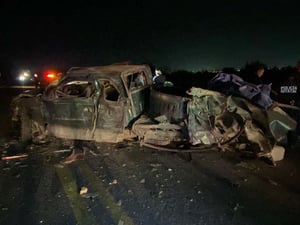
{"x":254,"y":79}
{"x":160,"y":79}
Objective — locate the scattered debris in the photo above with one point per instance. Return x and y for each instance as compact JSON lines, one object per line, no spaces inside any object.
{"x":83,"y":190}
{"x":74,"y":157}
{"x":93,"y":153}
{"x":277,"y":153}
{"x":14,"y":156}
{"x":273,"y":182}
{"x":155,"y":164}
{"x":142,"y":181}
{"x":113,"y":182}
{"x":17,"y":163}
{"x":160,"y":194}
{"x":154,"y":170}
{"x":236,"y":207}
{"x":119,"y":203}
{"x":62,"y":151}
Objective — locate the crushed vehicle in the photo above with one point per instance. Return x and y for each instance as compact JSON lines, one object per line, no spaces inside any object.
{"x":94,"y":103}
{"x":117,"y":102}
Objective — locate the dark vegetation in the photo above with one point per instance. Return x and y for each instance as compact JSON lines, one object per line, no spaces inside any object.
{"x":186,"y":79}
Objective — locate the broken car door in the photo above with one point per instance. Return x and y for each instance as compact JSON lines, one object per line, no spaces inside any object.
{"x":70,"y":109}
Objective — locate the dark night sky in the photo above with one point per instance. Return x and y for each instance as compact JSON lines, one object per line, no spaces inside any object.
{"x":174,"y":35}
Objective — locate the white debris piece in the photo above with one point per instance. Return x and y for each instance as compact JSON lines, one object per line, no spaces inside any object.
{"x":155,"y":164}
{"x":277,"y":153}
{"x":142,"y":181}
{"x":113,"y":182}
{"x":83,"y":190}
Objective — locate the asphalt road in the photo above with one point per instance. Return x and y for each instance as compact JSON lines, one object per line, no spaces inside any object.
{"x":129,"y":184}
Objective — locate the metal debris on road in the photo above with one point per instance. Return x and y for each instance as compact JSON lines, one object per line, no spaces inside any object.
{"x":273,"y":182}
{"x":83,"y":190}
{"x":93,"y":153}
{"x":236,"y":207}
{"x":160,"y":194}
{"x":154,"y":170}
{"x":142,"y":181}
{"x":113,"y":182}
{"x":14,"y":157}
{"x":155,"y":164}
{"x":62,"y":151}
{"x":119,"y":203}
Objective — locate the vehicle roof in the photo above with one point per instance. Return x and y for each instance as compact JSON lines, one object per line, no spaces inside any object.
{"x":112,"y":71}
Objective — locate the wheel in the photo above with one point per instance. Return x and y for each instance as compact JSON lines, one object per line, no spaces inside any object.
{"x":25,"y":127}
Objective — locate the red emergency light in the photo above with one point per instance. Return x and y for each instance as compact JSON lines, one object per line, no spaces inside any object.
{"x":51,"y":76}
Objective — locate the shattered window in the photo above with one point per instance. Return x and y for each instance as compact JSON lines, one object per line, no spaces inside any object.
{"x":110,"y":92}
{"x":75,"y":89}
{"x":136,"y":80}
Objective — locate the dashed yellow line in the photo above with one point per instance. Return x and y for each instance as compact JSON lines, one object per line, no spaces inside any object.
{"x":78,"y":204}
{"x":116,"y":211}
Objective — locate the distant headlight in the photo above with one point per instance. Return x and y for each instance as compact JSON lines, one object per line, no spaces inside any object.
{"x":22,"y":78}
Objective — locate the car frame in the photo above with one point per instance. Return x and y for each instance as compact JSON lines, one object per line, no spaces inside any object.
{"x":87,"y":103}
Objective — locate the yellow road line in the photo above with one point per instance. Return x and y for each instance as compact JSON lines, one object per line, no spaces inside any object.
{"x":106,"y":198}
{"x":78,"y":204}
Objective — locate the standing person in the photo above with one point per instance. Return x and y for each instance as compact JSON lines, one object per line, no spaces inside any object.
{"x":159,"y":78}
{"x":253,"y":72}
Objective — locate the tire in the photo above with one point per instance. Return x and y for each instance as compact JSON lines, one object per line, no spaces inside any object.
{"x":25,"y":127}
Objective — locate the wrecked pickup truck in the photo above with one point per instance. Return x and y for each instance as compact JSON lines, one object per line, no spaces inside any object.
{"x":94,"y":103}
{"x":118,"y":102}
